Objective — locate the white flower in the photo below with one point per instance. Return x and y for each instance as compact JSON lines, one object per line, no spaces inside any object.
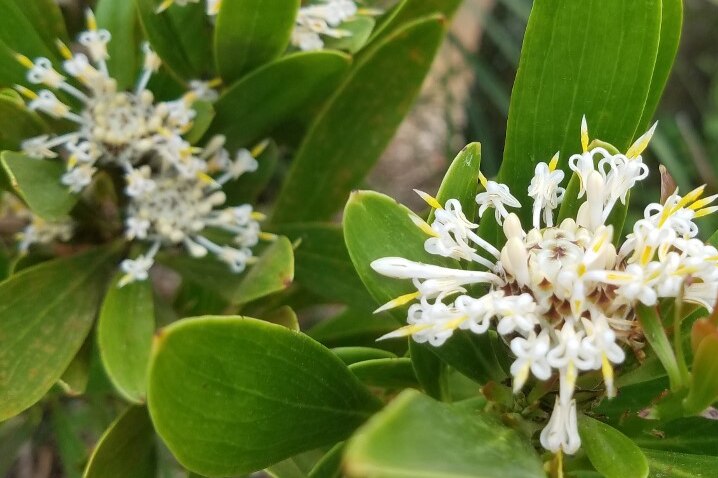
{"x":562,"y":296}
{"x":39,"y":231}
{"x":323,"y":19}
{"x":545,"y":191}
{"x":561,"y":433}
{"x":496,"y":196}
{"x":77,"y":178}
{"x":136,"y":269}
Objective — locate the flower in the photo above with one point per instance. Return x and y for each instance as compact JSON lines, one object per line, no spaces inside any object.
{"x":172,"y":188}
{"x":562,"y":296}
{"x":322,"y":19}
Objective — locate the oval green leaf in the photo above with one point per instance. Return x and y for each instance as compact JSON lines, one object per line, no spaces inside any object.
{"x":612,"y":453}
{"x":249,"y":33}
{"x":680,"y":465}
{"x":235,"y":395}
{"x":124,"y":335}
{"x":46,"y":18}
{"x":569,"y":67}
{"x":704,"y":385}
{"x":393,"y":373}
{"x":260,"y":101}
{"x":17,"y":123}
{"x":40,"y":337}
{"x":119,"y":17}
{"x":352,"y":131}
{"x":415,"y":436}
{"x":127,"y":449}
{"x":37,"y":182}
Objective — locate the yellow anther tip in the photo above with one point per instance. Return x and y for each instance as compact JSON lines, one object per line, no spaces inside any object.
{"x":553,"y":164}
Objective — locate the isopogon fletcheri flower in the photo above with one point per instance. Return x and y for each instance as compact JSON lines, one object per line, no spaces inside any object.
{"x":559,"y":292}
{"x":172,"y":188}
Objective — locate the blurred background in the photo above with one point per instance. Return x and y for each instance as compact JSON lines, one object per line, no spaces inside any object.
{"x":466,"y":98}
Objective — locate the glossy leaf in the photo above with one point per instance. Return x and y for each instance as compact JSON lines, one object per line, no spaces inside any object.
{"x":695,"y":435}
{"x":417,"y":436}
{"x":323,"y":265}
{"x":253,"y":106}
{"x":124,"y":334}
{"x":680,"y":465}
{"x":250,"y":33}
{"x":657,"y":338}
{"x":329,"y":466}
{"x":461,"y":180}
{"x":273,"y":272}
{"x":285,"y":317}
{"x":351,"y":355}
{"x":234,"y":395}
{"x":119,"y":17}
{"x":39,"y":336}
{"x":249,"y":186}
{"x":704,"y":386}
{"x":37,"y":182}
{"x":76,"y":376}
{"x":429,"y":369}
{"x":204,"y":116}
{"x":376,"y":226}
{"x":347,"y":138}
{"x":18,"y":34}
{"x":360,"y":29}
{"x":611,"y":452}
{"x":46,"y":18}
{"x":394,"y":373}
{"x":17,"y":123}
{"x":181,"y":36}
{"x":356,"y":327}
{"x":127,"y":449}
{"x":671,"y":25}
{"x":410,"y":10}
{"x":569,"y":67}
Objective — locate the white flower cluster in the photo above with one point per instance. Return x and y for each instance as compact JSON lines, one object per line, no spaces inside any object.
{"x":171,"y":197}
{"x":322,"y":19}
{"x":562,"y":296}
{"x":212,"y":5}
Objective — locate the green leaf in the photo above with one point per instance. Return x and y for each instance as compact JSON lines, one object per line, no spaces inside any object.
{"x":253,"y":106}
{"x":611,"y":452}
{"x":359,"y":29}
{"x":329,"y":466}
{"x":671,"y":25}
{"x":124,"y":334}
{"x":347,"y":138}
{"x":429,"y":369}
{"x":201,"y":122}
{"x":17,"y":123}
{"x":250,"y":33}
{"x":411,"y":10}
{"x":657,"y":338}
{"x":127,"y":449}
{"x":704,"y":384}
{"x":680,"y":465}
{"x":119,"y":17}
{"x":376,"y":226}
{"x":76,"y":376}
{"x":386,"y":373}
{"x":415,"y":436}
{"x":181,"y":36}
{"x":46,"y":18}
{"x":354,"y":328}
{"x":234,"y":395}
{"x":273,"y":272}
{"x":283,"y":316}
{"x":695,"y":435}
{"x":40,"y":335}
{"x":323,"y":265}
{"x":351,"y":355}
{"x":569,"y":67}
{"x":37,"y":182}
{"x":461,"y":180}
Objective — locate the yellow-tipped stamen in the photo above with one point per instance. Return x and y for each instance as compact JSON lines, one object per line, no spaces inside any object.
{"x":72,"y":161}
{"x":26,"y":92}
{"x":91,"y":20}
{"x":268,"y":236}
{"x":455,"y":323}
{"x":703,"y":202}
{"x":584,"y":134}
{"x":641,"y":143}
{"x":706,"y":211}
{"x":23,"y":60}
{"x":607,"y":370}
{"x":429,"y":199}
{"x":190,"y":97}
{"x":554,"y":162}
{"x":258,"y":216}
{"x":482,"y":179}
{"x":689,"y":198}
{"x":647,"y":255}
{"x":206,"y":178}
{"x":259,"y":149}
{"x":405,"y":331}
{"x":214,"y":82}
{"x":398,"y":302}
{"x":63,"y":49}
{"x":423,"y":225}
